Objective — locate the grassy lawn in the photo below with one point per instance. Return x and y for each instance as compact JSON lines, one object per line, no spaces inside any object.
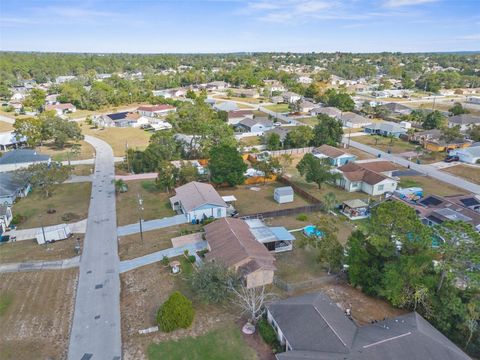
{"x":27,"y":250}
{"x":430,"y":185}
{"x":130,"y":246}
{"x":4,"y":126}
{"x":118,"y":138}
{"x":361,"y":155}
{"x":67,"y":198}
{"x":241,"y":99}
{"x":87,"y":151}
{"x":250,"y":141}
{"x":251,"y":202}
{"x":225,"y":343}
{"x":383,"y":143}
{"x":278,"y":108}
{"x":155,"y":203}
{"x":37,"y":309}
{"x":469,"y":173}
{"x":311,"y":121}
{"x":82,"y":170}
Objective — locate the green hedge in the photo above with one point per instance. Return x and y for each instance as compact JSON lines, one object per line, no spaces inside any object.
{"x":268,"y":335}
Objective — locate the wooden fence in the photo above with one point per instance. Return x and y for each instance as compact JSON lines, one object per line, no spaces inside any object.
{"x":299,"y":191}
{"x":286,"y":212}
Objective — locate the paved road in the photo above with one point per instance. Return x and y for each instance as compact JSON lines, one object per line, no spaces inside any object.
{"x":40,"y":265}
{"x":151,"y":225}
{"x":424,"y":169}
{"x":96,"y":322}
{"x":128,"y":265}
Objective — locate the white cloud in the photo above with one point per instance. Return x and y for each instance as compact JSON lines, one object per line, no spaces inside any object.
{"x":399,"y":3}
{"x":473,"y":37}
{"x":285,"y":10}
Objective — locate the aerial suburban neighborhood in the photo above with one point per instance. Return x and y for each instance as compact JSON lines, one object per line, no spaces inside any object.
{"x":307,"y":204}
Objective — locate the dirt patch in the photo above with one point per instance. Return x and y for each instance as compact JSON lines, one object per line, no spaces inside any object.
{"x":469,"y":173}
{"x":143,"y":291}
{"x":36,"y":324}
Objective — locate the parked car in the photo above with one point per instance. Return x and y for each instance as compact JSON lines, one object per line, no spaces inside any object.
{"x":451,"y":158}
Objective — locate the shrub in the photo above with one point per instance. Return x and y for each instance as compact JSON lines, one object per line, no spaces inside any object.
{"x":165,"y":260}
{"x":302,"y":217}
{"x":69,"y":216}
{"x":175,"y":313}
{"x":268,"y":334}
{"x":211,"y":282}
{"x":191,"y":258}
{"x":18,"y":219}
{"x":202,"y":253}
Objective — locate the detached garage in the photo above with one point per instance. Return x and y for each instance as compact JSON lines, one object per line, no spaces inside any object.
{"x":283,"y":194}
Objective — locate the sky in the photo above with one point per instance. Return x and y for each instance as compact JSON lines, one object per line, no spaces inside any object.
{"x":202,"y":26}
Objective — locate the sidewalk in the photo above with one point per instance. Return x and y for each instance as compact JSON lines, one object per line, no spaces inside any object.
{"x":145,"y":176}
{"x":41,"y":265}
{"x":151,"y":225}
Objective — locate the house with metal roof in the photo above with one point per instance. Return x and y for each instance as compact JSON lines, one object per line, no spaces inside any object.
{"x":198,"y":201}
{"x":313,"y":327}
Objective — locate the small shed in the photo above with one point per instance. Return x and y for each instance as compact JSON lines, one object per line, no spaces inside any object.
{"x":355,"y":209}
{"x":283,"y":194}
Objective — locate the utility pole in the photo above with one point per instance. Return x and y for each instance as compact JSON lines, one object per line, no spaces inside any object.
{"x":140,"y":212}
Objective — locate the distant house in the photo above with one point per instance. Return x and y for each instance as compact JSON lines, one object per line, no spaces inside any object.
{"x":306,"y":106}
{"x":8,"y":140}
{"x":63,"y":79}
{"x":6,"y":217}
{"x":235,"y":116}
{"x":166,"y":93}
{"x":283,"y":194}
{"x":257,"y":125}
{"x":157,"y":124}
{"x":61,"y":109}
{"x":385,"y":128}
{"x":277,"y":99}
{"x":469,"y":155}
{"x":274,"y":85}
{"x":225,"y":106}
{"x":313,"y":326}
{"x":281,"y":131}
{"x":464,"y":121}
{"x":373,"y":178}
{"x":397,"y":108}
{"x":156,"y":110}
{"x":120,"y":119}
{"x":352,"y":120}
{"x":12,"y":187}
{"x":305,"y":80}
{"x":291,"y":97}
{"x":198,"y":201}
{"x":232,"y":244}
{"x":336,"y":156}
{"x":432,"y":140}
{"x":330,"y":111}
{"x":51,"y":99}
{"x":217,"y":85}
{"x":473,"y":100}
{"x":21,"y":158}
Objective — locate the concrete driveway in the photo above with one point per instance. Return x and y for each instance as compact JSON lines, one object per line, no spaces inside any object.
{"x":151,"y":225}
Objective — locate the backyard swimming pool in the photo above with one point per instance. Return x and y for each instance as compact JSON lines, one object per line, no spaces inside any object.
{"x":311,"y":230}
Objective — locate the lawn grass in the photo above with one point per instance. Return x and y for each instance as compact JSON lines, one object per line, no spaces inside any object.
{"x":5,"y":301}
{"x":4,"y":126}
{"x":156,"y":204}
{"x":225,"y":343}
{"x":361,"y":155}
{"x":252,"y":202}
{"x":384,"y":143}
{"x":281,"y":108}
{"x":249,"y":100}
{"x":310,"y":121}
{"x":250,"y":141}
{"x":430,"y":185}
{"x":86,"y":151}
{"x":67,"y":198}
{"x":119,"y":138}
{"x":469,"y":173}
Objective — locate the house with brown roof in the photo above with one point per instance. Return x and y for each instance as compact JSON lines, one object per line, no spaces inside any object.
{"x":235,"y":116}
{"x":374,"y":178}
{"x":231,"y":243}
{"x":336,"y":156}
{"x":61,"y":109}
{"x":198,"y":201}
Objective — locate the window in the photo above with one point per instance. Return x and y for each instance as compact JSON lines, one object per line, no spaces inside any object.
{"x":219,"y":212}
{"x":380,"y":187}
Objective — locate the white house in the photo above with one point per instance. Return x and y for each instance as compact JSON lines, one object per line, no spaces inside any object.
{"x":469,"y":155}
{"x":256,"y":125}
{"x":305,"y":80}
{"x":156,"y":110}
{"x":198,"y":201}
{"x":6,"y":217}
{"x":291,"y":97}
{"x":61,"y":109}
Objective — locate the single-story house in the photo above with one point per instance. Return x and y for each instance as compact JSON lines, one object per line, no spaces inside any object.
{"x":469,"y":201}
{"x":217,"y":85}
{"x":235,"y":116}
{"x":336,"y":156}
{"x":373,"y":178}
{"x":166,"y":93}
{"x":9,"y":140}
{"x":385,"y":128}
{"x":257,"y":125}
{"x":313,"y":326}
{"x":283,"y":194}
{"x":275,"y":238}
{"x":21,"y":158}
{"x":225,"y":106}
{"x":231,"y":243}
{"x":432,"y":141}
{"x":274,"y":85}
{"x":397,"y":108}
{"x":352,"y":120}
{"x":281,"y":131}
{"x":291,"y":97}
{"x":12,"y":187}
{"x":329,"y":110}
{"x":156,"y":110}
{"x":6,"y":217}
{"x":198,"y":201}
{"x":120,"y":119}
{"x":277,"y":99}
{"x":64,"y":78}
{"x":304,"y":80}
{"x":469,"y":155}
{"x":465,"y":121}
{"x":61,"y":109}
{"x":51,"y":99}
{"x":307,"y":106}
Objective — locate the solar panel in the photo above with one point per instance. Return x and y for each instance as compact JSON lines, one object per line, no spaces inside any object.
{"x":431,"y":201}
{"x":118,"y":116}
{"x":470,"y":201}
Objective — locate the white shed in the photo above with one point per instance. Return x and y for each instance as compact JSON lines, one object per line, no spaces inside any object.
{"x":283,"y":194}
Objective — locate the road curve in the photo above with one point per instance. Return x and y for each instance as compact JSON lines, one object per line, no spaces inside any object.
{"x":96,"y":328}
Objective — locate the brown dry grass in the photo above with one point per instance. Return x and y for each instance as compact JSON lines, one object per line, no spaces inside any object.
{"x":87,"y":151}
{"x":384,"y":143}
{"x":82,"y":170}
{"x":67,"y":198}
{"x":432,"y":186}
{"x":361,"y":155}
{"x":36,"y":324}
{"x":4,"y":126}
{"x":469,"y":173}
{"x":29,"y":250}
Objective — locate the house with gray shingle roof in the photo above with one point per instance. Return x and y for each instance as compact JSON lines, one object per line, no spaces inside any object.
{"x":21,"y":158}
{"x":257,"y":125}
{"x":465,"y":121}
{"x":313,"y":327}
